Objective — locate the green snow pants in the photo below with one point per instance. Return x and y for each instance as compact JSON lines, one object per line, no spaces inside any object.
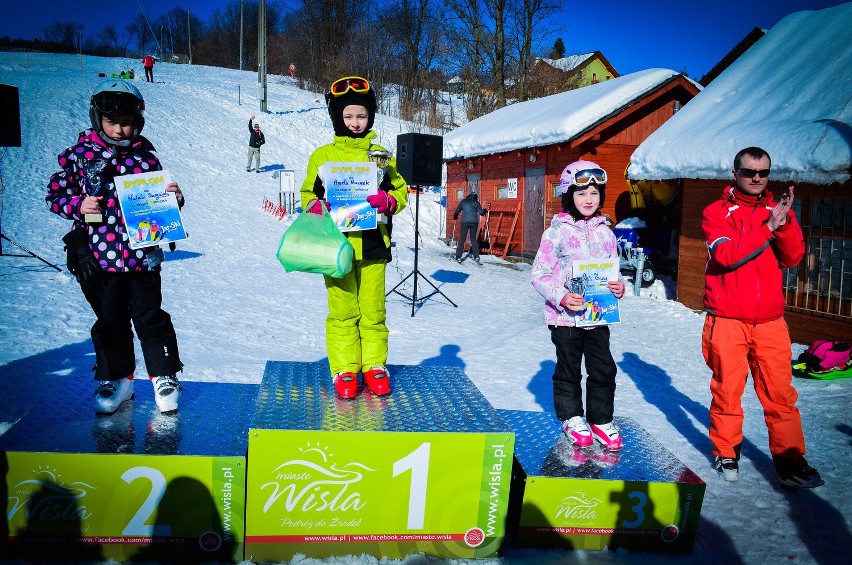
{"x":356,"y":337}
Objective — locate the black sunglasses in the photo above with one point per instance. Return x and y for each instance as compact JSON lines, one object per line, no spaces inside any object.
{"x":749,"y":173}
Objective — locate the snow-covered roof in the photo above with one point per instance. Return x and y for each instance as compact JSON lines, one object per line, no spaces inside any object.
{"x":567,"y":63}
{"x":790,"y":94}
{"x":552,"y":119}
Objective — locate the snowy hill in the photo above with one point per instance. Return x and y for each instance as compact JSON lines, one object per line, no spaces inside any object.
{"x":235,"y":308}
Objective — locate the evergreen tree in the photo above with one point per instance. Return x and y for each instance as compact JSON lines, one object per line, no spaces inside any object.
{"x":558,"y":49}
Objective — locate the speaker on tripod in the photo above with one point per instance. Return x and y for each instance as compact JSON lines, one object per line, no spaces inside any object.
{"x":418,"y":160}
{"x":419,"y":157}
{"x":10,"y":136}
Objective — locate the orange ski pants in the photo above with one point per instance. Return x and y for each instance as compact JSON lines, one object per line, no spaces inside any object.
{"x":731,"y":349}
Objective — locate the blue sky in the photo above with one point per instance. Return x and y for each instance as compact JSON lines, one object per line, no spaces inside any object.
{"x":632,"y":35}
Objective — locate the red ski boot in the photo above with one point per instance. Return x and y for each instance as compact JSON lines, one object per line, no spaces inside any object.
{"x":346,"y":385}
{"x":378,"y":380}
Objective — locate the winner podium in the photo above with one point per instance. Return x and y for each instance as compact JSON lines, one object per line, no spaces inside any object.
{"x":425,"y":469}
{"x":639,"y":499}
{"x":135,"y":485}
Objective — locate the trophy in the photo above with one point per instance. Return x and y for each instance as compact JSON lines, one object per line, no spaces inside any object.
{"x":93,"y":184}
{"x":381,"y":158}
{"x":577,"y":285}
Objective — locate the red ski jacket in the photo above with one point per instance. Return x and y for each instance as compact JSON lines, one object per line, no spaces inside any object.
{"x":743,"y":272}
{"x":148,"y":61}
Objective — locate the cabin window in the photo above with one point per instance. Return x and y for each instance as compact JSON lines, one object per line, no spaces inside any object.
{"x":553,"y":193}
{"x":502,"y":191}
{"x":822,"y":282}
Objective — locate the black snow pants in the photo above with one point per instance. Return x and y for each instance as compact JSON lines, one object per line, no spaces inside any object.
{"x":117,"y":299}
{"x":571,"y":345}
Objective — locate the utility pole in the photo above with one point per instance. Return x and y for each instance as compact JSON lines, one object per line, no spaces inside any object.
{"x":241,"y":34}
{"x":188,"y":35}
{"x":261,"y":53}
{"x":80,"y":45}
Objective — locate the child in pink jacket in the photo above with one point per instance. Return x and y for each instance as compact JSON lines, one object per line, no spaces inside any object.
{"x":579,"y":232}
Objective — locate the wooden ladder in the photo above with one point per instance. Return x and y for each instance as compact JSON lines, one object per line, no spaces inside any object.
{"x":502,"y":219}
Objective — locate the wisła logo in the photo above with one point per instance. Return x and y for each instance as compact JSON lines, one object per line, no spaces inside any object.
{"x":46,"y":498}
{"x":577,"y":507}
{"x":314,"y":483}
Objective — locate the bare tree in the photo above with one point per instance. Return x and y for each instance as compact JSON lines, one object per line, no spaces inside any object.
{"x":530,"y":17}
{"x":414,"y":40}
{"x":321,"y":33}
{"x":115,"y":43}
{"x":65,"y":35}
{"x":466,"y":31}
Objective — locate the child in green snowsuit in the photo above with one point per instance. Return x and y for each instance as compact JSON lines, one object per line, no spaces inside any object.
{"x":356,"y":334}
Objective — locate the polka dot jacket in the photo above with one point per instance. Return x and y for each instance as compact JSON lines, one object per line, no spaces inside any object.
{"x":87,"y":164}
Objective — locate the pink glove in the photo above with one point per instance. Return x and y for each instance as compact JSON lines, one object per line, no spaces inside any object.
{"x":317,"y":207}
{"x":383,"y":202}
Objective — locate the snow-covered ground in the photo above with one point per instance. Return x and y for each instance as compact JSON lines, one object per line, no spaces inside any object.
{"x":235,"y":308}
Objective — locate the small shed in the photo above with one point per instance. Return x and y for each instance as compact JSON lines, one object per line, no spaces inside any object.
{"x":513,"y":157}
{"x":791,"y":94}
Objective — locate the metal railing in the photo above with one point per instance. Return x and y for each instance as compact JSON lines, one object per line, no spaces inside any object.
{"x":822,"y":282}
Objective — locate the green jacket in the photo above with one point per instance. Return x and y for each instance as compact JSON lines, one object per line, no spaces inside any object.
{"x":368,"y":244}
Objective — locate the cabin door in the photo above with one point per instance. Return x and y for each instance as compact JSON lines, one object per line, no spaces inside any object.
{"x":533,"y":209}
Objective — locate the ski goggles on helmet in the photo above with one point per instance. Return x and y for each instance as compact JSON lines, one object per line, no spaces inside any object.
{"x":343,"y":85}
{"x":117,"y":103}
{"x":585,"y":177}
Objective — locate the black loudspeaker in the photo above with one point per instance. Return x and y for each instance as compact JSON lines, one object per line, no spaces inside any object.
{"x":10,"y":117}
{"x":419,"y":157}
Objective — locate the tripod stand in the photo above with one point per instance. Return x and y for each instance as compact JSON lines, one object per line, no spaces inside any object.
{"x":416,"y":273}
{"x":3,"y":235}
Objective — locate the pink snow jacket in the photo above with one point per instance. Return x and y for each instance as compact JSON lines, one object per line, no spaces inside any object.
{"x":565,"y":241}
{"x":66,"y":190}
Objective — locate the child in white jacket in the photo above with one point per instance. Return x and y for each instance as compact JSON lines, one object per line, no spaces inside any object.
{"x":579,"y":232}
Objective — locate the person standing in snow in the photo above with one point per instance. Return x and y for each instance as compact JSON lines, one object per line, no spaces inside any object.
{"x":256,"y":139}
{"x":148,"y":63}
{"x":121,"y":284}
{"x":355,"y":332}
{"x":581,"y":231}
{"x":470,"y":210}
{"x":750,"y":237}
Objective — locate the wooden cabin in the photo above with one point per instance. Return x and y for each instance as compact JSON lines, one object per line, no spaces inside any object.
{"x":760,"y":100}
{"x":514,"y":156}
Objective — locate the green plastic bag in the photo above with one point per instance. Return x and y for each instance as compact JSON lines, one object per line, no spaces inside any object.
{"x":313,"y":244}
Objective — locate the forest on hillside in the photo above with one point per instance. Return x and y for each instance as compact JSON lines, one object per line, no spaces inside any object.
{"x":486,"y":46}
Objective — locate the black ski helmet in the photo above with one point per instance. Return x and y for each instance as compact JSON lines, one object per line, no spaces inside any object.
{"x":117,"y":97}
{"x":337,"y":102}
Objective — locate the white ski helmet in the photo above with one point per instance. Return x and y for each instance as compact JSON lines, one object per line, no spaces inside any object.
{"x":117,"y":96}
{"x":581,"y":173}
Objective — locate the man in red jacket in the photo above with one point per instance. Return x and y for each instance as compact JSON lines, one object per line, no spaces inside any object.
{"x":148,"y":63}
{"x":749,"y":238}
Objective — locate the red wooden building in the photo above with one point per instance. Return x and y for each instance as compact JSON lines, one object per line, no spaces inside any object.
{"x":759,"y":99}
{"x":513,"y":157}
